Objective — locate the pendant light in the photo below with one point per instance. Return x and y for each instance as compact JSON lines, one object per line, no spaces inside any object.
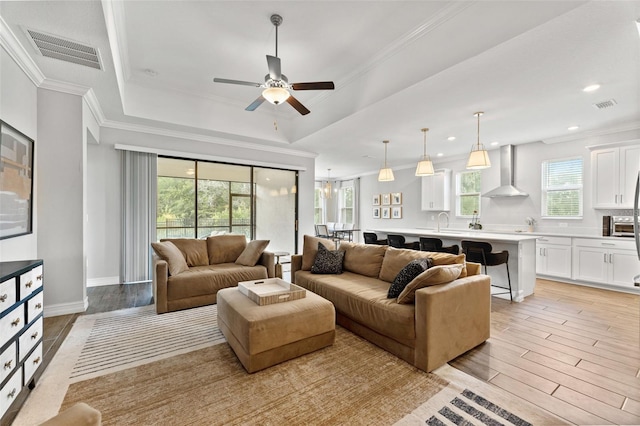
{"x":326,"y":188}
{"x":385,"y":174}
{"x":425,"y":166}
{"x":479,"y":157}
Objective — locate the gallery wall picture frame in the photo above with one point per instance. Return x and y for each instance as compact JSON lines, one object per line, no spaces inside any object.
{"x":386,"y":199}
{"x":396,"y":212}
{"x":376,"y":200}
{"x":16,"y":182}
{"x":396,"y":198}
{"x":376,"y":212}
{"x":386,"y":212}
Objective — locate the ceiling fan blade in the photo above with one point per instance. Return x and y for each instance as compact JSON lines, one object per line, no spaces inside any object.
{"x":318,"y":85}
{"x":274,"y":67}
{"x":297,"y":105}
{"x":243,"y":83}
{"x":255,"y":104}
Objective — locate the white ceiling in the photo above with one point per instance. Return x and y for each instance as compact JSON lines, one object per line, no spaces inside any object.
{"x":398,"y":66}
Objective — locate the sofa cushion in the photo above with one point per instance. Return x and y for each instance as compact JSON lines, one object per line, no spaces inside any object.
{"x":172,"y":255}
{"x":225,"y":248}
{"x":194,"y":250}
{"x":363,"y":259}
{"x":310,"y":249}
{"x":433,"y":276}
{"x":406,"y":275}
{"x":252,"y":252}
{"x":364,"y":300}
{"x":395,"y":259}
{"x":327,"y":261}
{"x":206,"y":280}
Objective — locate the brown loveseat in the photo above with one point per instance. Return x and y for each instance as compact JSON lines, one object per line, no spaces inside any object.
{"x":443,"y":322}
{"x":188,"y":273}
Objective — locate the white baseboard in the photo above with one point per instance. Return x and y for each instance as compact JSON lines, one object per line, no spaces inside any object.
{"x":96,"y":282}
{"x":66,"y":308}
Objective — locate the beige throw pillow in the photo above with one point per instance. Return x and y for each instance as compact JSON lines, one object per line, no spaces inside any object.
{"x":193,"y":250}
{"x":432,"y":276}
{"x":172,"y":255}
{"x":225,"y":248}
{"x":310,"y":250}
{"x":252,"y":253}
{"x":364,"y":259}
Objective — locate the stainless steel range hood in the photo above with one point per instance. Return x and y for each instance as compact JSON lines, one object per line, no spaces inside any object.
{"x":506,"y":188}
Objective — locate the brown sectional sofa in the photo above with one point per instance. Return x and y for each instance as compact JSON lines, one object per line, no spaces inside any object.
{"x":202,"y":267}
{"x":445,"y":320}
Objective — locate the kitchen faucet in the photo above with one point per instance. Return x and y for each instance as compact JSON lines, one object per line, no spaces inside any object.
{"x":446,"y":215}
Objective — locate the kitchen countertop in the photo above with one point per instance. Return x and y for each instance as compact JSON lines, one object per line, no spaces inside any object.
{"x":459,"y":234}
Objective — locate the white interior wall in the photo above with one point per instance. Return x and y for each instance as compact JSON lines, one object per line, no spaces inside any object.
{"x":18,"y":108}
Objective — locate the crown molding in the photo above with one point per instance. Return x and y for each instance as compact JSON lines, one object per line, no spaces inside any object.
{"x":94,"y":106}
{"x":204,"y":138}
{"x":16,"y":50}
{"x":631,"y":126}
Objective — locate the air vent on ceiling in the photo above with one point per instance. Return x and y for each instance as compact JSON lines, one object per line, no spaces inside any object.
{"x":605,"y":104}
{"x":65,"y":50}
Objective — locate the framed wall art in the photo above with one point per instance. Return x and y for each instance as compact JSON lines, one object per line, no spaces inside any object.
{"x":386,"y":199}
{"x":396,"y":198}
{"x":386,"y":212}
{"x":396,"y":212}
{"x":376,"y":200}
{"x":16,"y":182}
{"x":376,"y":212}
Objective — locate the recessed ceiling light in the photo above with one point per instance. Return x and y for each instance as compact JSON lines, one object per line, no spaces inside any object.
{"x":439,"y":154}
{"x":494,"y":143}
{"x":572,"y":128}
{"x":451,"y":138}
{"x":591,"y":88}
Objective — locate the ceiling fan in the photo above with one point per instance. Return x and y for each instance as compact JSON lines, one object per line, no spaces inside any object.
{"x":276,"y":86}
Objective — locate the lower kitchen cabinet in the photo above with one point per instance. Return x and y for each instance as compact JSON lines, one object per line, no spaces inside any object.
{"x":605,"y":261}
{"x":553,"y":256}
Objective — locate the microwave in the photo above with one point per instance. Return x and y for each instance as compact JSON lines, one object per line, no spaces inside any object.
{"x":622,"y":226}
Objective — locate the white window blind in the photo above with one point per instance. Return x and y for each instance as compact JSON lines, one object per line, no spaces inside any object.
{"x":562,"y":188}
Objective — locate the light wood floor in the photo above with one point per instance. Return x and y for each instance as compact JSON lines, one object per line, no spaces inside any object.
{"x":571,"y":350}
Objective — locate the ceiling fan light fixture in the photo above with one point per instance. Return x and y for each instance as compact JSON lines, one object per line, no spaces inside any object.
{"x":479,"y":157}
{"x":385,"y":174}
{"x":276,"y":95}
{"x":425,"y":166}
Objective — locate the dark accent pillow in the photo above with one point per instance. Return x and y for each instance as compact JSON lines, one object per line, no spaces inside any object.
{"x":327,"y":261}
{"x":407,"y":274}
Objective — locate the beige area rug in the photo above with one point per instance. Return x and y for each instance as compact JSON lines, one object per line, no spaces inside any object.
{"x":118,"y":363}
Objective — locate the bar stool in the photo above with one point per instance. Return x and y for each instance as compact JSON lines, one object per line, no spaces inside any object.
{"x":435,"y":244}
{"x":398,"y":241}
{"x":372,"y":238}
{"x":480,"y":252}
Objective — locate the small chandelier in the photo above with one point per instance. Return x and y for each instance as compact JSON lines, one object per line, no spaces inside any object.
{"x":326,"y":188}
{"x":385,"y":174}
{"x":425,"y":166}
{"x":479,"y":157}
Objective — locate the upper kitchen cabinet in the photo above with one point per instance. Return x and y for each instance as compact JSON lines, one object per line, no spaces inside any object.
{"x":436,"y":191}
{"x":614,"y":172}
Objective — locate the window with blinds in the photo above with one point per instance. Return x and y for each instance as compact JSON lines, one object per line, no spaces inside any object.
{"x":562,"y":188}
{"x":468,"y":186}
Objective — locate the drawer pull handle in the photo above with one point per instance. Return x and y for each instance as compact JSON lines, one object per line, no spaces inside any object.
{"x":15,"y":322}
{"x":29,"y":284}
{"x":39,"y":277}
{"x":12,"y":393}
{"x":36,"y":361}
{"x":34,"y":336}
{"x":38,"y":305}
{"x":7,"y":365}
{"x":4,"y":297}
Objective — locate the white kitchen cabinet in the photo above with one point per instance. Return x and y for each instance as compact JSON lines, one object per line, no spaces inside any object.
{"x":605,"y":261}
{"x":436,"y":191}
{"x":614,"y":172}
{"x":553,"y":256}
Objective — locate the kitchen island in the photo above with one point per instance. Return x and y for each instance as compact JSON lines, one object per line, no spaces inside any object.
{"x":521,"y":248}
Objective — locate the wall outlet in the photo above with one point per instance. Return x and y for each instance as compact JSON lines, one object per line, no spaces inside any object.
{"x":562,"y":224}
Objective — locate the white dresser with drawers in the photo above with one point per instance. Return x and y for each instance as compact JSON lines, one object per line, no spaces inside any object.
{"x":21,"y":329}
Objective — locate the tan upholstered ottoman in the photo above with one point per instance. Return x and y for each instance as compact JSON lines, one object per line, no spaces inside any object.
{"x":262,"y":336}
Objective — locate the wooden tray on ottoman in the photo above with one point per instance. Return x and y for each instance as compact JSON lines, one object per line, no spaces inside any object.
{"x":271,"y":290}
